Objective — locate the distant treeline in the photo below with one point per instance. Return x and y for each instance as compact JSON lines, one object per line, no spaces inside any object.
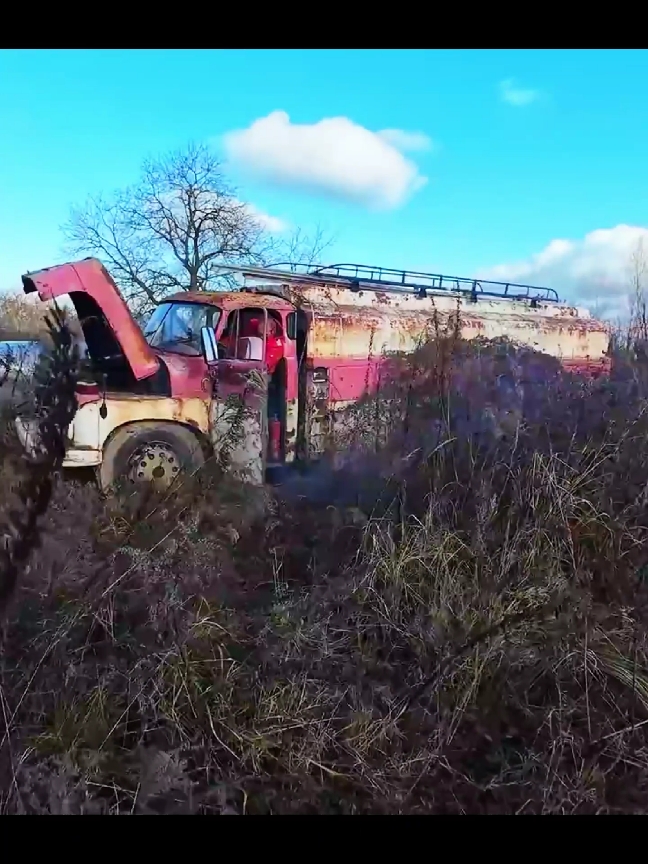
{"x":20,"y":318}
{"x":23,"y":319}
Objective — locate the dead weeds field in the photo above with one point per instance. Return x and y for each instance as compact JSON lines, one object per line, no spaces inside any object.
{"x":452,"y":619}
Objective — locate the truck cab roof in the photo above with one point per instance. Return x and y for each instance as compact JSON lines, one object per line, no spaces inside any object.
{"x":230,"y":299}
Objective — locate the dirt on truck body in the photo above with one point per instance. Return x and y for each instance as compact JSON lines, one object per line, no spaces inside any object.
{"x":314,"y":342}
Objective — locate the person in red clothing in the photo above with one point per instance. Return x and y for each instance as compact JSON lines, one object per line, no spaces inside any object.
{"x":274,"y":351}
{"x":274,"y":344}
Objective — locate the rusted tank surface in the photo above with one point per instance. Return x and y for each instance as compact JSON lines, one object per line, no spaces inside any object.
{"x":360,"y":311}
{"x":371,"y":323}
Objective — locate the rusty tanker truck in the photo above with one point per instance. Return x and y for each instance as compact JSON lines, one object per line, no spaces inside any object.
{"x":318,"y":336}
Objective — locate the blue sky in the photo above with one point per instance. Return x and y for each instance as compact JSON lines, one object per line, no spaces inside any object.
{"x":528,"y":164}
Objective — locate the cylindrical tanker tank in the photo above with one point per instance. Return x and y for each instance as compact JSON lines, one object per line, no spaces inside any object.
{"x":372,"y":322}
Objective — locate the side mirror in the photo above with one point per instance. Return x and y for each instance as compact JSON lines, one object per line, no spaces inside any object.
{"x":208,"y":345}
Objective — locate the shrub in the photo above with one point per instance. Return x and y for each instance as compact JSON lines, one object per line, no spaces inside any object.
{"x":451,"y":618}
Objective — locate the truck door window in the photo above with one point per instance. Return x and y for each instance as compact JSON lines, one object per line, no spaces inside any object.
{"x":176,"y":327}
{"x":262,"y":326}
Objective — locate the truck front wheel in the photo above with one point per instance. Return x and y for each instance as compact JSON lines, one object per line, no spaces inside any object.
{"x":149,"y":452}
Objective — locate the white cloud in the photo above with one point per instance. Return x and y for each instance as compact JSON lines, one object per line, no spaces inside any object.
{"x":334,"y":156}
{"x":402,"y":140}
{"x":517,"y":96}
{"x":594,"y":271}
{"x":272,"y":224}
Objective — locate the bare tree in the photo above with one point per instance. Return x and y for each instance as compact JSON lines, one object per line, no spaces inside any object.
{"x":638,"y":300}
{"x":176,"y":228}
{"x":302,"y":248}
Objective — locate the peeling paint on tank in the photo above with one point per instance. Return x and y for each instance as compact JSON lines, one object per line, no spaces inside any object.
{"x":347,"y":334}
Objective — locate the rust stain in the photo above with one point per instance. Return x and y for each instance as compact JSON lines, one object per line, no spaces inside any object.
{"x":191,"y":411}
{"x":90,"y":430}
{"x":228,"y":300}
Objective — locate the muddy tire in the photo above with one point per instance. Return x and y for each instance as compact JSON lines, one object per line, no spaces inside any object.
{"x":149,"y":452}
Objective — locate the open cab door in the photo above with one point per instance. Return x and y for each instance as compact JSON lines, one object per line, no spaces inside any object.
{"x":112,"y":335}
{"x":238,"y":421}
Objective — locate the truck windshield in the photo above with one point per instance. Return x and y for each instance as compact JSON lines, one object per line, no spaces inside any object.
{"x":176,"y":326}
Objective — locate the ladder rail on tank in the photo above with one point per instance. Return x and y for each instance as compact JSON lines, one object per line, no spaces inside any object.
{"x":363,"y":277}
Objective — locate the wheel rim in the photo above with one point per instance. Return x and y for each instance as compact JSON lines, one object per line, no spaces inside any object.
{"x":154,"y":463}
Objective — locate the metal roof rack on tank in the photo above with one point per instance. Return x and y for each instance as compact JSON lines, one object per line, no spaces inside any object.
{"x":363,"y":277}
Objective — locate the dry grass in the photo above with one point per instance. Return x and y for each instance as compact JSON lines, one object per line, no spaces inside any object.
{"x":451,"y":620}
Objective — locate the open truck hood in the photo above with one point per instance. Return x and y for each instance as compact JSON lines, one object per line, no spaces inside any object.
{"x":108,"y":326}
